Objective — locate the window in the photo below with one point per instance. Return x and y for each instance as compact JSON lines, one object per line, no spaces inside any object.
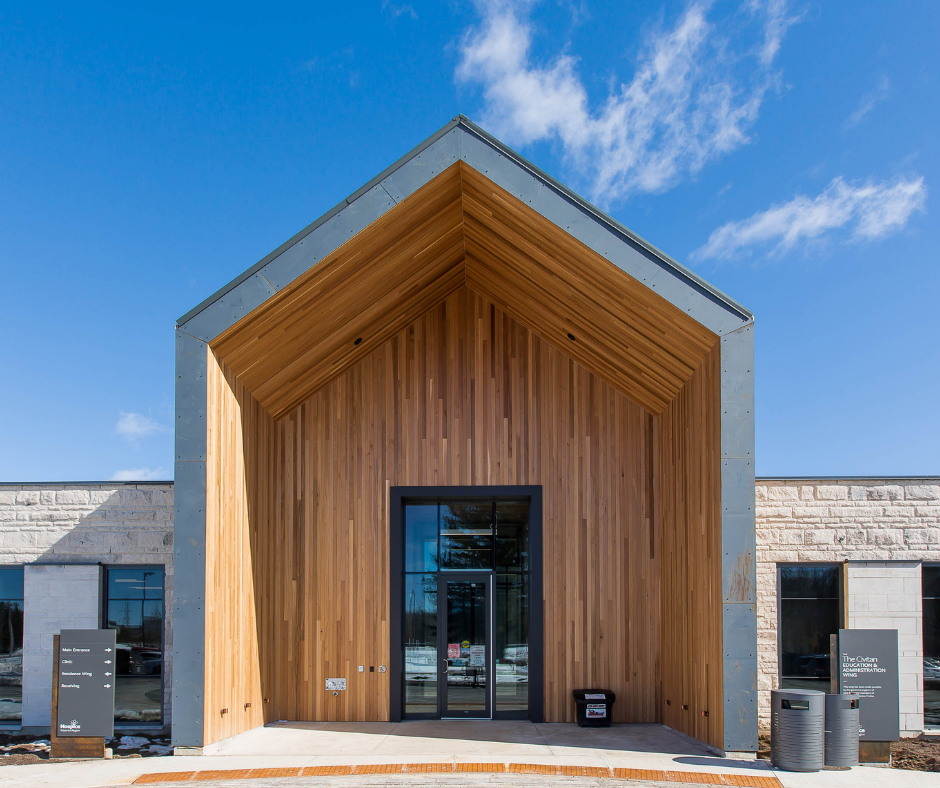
{"x":809,"y":612}
{"x":478,"y":535}
{"x":11,"y":644}
{"x":930,"y":581}
{"x":134,"y":608}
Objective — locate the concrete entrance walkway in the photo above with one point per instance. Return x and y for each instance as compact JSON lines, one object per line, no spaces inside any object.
{"x":515,"y":749}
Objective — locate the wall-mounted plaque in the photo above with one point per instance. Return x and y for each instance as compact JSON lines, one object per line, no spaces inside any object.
{"x":336,"y":684}
{"x":868,"y":667}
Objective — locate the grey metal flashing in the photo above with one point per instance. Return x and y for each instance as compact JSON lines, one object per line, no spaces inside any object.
{"x":601,"y":233}
{"x":738,"y":541}
{"x":230,"y":308}
{"x":328,"y":237}
{"x":464,"y":140}
{"x":914,"y":478}
{"x":680,"y":269}
{"x":189,"y":542}
{"x":316,"y":223}
{"x":86,"y":484}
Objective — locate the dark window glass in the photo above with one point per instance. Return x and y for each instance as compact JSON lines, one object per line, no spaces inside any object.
{"x":467,"y":535}
{"x":421,"y":661}
{"x":512,"y":536}
{"x":460,"y":535}
{"x":512,"y":645}
{"x":11,"y":582}
{"x":930,"y":578}
{"x":11,"y":644}
{"x":421,"y":529}
{"x":809,"y":614}
{"x":809,"y":582}
{"x":135,"y":610}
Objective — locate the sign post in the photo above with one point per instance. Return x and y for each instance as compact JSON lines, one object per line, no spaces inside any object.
{"x":868,"y":667}
{"x":83,"y":692}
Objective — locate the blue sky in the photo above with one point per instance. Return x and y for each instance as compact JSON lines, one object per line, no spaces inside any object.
{"x":785,"y":151}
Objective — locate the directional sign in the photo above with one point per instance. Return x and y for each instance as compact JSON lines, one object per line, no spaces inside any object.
{"x":86,"y":683}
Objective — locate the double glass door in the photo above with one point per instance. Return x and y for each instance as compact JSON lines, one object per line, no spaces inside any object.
{"x":466,"y":649}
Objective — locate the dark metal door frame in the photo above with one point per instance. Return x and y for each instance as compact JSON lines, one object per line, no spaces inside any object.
{"x":443,"y":578}
{"x":398,"y":496}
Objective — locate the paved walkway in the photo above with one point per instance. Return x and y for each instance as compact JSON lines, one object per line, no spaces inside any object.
{"x":458,"y":754}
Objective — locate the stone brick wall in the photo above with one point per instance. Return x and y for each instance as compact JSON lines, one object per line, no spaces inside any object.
{"x":57,"y":597}
{"x":836,"y":520}
{"x":889,"y":595}
{"x":83,"y":524}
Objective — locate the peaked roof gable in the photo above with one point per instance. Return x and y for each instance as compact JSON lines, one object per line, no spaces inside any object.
{"x":463,"y":209}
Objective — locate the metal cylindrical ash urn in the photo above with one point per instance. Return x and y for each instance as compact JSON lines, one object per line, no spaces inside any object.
{"x":797,"y":729}
{"x":842,"y":730}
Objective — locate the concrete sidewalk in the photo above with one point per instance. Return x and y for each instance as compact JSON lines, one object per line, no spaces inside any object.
{"x":284,"y":745}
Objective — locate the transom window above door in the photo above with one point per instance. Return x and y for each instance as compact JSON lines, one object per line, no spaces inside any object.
{"x":471,"y":535}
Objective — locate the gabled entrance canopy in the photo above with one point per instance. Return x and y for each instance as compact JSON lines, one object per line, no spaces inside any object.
{"x":460,"y":228}
{"x":464,"y":210}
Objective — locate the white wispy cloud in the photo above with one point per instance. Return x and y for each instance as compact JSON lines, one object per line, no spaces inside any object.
{"x":134,"y":426}
{"x":141,"y":475}
{"x":868,"y":102}
{"x":399,"y":10}
{"x":867,"y":211}
{"x":777,"y":20}
{"x":690,"y":98}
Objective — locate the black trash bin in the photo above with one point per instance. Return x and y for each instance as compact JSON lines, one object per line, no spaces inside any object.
{"x":595,"y":707}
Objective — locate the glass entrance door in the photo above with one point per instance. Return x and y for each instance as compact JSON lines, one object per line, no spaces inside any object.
{"x":467,"y":648}
{"x":465,"y":600}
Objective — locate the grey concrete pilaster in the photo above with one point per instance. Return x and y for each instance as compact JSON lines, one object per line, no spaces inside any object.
{"x":189,"y":539}
{"x":738,"y":541}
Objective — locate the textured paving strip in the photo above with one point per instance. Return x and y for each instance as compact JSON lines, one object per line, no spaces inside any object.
{"x":601,"y":775}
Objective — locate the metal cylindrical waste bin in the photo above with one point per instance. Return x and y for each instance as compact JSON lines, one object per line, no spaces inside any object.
{"x":594,"y":707}
{"x":797,"y":731}
{"x":842,"y":730}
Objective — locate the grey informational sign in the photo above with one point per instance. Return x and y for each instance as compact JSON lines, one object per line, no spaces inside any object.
{"x":868,"y":667}
{"x":87,"y":659}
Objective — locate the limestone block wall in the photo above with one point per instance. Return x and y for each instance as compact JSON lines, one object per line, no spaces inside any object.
{"x":81,"y":525}
{"x":888,"y":595}
{"x":842,"y":520}
{"x":56,"y":597}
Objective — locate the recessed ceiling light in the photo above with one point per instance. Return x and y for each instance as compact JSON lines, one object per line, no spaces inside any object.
{"x":358,"y":340}
{"x":571,"y":337}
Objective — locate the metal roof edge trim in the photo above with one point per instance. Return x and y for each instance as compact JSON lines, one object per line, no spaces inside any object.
{"x":605,"y":218}
{"x":450,"y":126}
{"x":915,"y":477}
{"x":471,"y":127}
{"x":85,"y":484}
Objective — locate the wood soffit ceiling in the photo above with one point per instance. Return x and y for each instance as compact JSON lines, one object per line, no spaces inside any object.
{"x":461,"y":229}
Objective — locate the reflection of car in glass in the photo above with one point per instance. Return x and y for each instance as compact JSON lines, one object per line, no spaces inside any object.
{"x":811,"y":665}
{"x":11,"y":669}
{"x":134,"y":661}
{"x":517,"y":654}
{"x":931,"y":669}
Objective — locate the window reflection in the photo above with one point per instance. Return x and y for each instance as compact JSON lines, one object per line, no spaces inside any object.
{"x":480,"y":535}
{"x":11,"y":644}
{"x":512,"y":536}
{"x":135,"y":610}
{"x":930,"y":579}
{"x":421,"y":644}
{"x":809,"y":614}
{"x":512,"y":645}
{"x":421,"y":538}
{"x":467,"y":535}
